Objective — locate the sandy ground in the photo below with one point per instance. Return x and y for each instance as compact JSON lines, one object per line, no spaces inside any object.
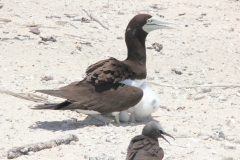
{"x":204,"y":47}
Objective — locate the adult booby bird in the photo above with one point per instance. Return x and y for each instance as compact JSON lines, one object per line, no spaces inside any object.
{"x":146,"y":146}
{"x":107,"y":86}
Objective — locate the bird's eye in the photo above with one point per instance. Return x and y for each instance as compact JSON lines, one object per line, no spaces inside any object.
{"x":160,"y":131}
{"x":149,"y":21}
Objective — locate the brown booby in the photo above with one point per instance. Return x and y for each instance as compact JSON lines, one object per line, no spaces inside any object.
{"x":109,"y":84}
{"x":146,"y":146}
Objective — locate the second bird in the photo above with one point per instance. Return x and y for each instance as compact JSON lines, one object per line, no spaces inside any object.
{"x":146,"y":145}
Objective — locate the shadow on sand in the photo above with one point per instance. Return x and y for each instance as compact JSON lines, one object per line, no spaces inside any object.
{"x":73,"y":124}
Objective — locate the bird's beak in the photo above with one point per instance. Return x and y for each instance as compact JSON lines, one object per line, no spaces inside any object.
{"x":166,"y":135}
{"x":154,"y":23}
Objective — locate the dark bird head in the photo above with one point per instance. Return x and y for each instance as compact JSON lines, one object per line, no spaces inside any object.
{"x":154,"y":130}
{"x":138,"y":29}
{"x":145,"y":23}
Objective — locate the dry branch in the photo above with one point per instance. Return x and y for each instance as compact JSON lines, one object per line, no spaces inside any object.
{"x":30,"y":25}
{"x":238,"y":67}
{"x":195,"y":86}
{"x":73,"y":25}
{"x":27,"y":96}
{"x":79,"y":38}
{"x":96,"y":19}
{"x":71,"y":35}
{"x":24,"y":150}
{"x":6,"y":20}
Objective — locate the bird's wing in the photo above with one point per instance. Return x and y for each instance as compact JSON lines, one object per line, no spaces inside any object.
{"x":104,"y":98}
{"x":144,"y":148}
{"x":109,"y":70}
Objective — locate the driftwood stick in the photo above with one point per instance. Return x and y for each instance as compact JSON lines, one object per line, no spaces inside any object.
{"x":96,"y":19}
{"x":75,"y":36}
{"x":30,"y":25}
{"x":24,"y":150}
{"x":73,"y":25}
{"x":195,"y":86}
{"x":238,"y":67}
{"x":6,"y":20}
{"x":27,"y":96}
{"x":79,"y":39}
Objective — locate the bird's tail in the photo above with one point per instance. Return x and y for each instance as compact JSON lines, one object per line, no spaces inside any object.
{"x":54,"y":106}
{"x":45,"y":106}
{"x":56,"y":93}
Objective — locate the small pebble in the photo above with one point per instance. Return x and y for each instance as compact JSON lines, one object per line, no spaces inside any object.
{"x":108,"y":140}
{"x":30,"y":153}
{"x":12,"y":155}
{"x":200,"y":134}
{"x":230,"y":138}
{"x":73,"y":143}
{"x":231,"y":123}
{"x":199,"y":96}
{"x":219,"y":139}
{"x":237,"y":141}
{"x":175,"y":129}
{"x":8,"y":119}
{"x":222,"y":98}
{"x":24,"y":150}
{"x":222,"y":135}
{"x":214,"y":152}
{"x":35,"y":30}
{"x":205,"y":137}
{"x":157,"y":70}
{"x":206,"y":89}
{"x":111,"y":158}
{"x":199,"y":90}
{"x":228,"y":158}
{"x":133,"y":129}
{"x":210,"y":68}
{"x":47,"y":76}
{"x":229,"y":146}
{"x":177,"y":71}
{"x":151,"y":78}
{"x":19,"y":38}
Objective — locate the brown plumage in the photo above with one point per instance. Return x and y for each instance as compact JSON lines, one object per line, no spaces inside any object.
{"x":104,"y":98}
{"x":146,"y":146}
{"x":100,"y":90}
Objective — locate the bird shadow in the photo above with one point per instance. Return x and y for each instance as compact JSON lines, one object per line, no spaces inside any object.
{"x":73,"y":124}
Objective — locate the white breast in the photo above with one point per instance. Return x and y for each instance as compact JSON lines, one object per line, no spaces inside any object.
{"x":149,"y":103}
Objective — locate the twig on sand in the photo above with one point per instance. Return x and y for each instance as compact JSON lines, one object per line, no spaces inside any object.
{"x":24,"y":150}
{"x":30,"y":25}
{"x":195,"y":86}
{"x":6,"y":20}
{"x":75,"y":36}
{"x":80,"y":39}
{"x":73,"y":25}
{"x":96,"y":19}
{"x":27,"y":96}
{"x":238,"y":67}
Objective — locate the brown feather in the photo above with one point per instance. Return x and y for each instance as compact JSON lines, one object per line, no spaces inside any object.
{"x":144,"y":148}
{"x":104,"y":98}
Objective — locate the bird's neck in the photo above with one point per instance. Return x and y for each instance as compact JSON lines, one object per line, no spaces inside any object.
{"x":135,"y":41}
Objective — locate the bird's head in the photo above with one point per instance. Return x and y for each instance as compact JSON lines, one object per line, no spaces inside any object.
{"x":154,"y":130}
{"x":146,"y":23}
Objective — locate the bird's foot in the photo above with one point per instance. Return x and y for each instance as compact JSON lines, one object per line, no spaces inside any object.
{"x":117,"y":119}
{"x":132,"y":118}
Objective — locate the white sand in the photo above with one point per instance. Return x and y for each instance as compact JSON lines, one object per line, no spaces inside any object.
{"x":204,"y":55}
